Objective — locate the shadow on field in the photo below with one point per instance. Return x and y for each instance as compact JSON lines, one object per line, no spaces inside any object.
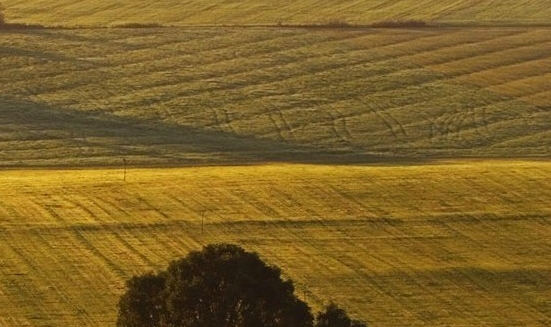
{"x":40,"y":55}
{"x":35,"y":134}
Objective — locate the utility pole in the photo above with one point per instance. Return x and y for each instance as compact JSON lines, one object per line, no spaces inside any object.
{"x":124,"y":169}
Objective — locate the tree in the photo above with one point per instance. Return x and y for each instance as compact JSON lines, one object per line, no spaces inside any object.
{"x":220,"y":286}
{"x":142,"y":305}
{"x":333,"y":316}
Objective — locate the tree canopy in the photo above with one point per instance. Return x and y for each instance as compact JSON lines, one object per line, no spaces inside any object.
{"x":142,"y":304}
{"x":333,"y":316}
{"x":220,"y":286}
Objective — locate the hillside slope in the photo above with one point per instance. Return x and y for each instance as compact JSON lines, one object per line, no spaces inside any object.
{"x":462,"y":244}
{"x":219,"y":95}
{"x":108,"y":12}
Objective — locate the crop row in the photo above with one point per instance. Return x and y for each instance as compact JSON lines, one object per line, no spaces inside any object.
{"x":440,"y":244}
{"x":427,"y":92}
{"x":249,"y":12}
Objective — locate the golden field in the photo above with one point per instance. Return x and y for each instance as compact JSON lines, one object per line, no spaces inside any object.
{"x":449,"y":243}
{"x":402,"y":173}
{"x":172,"y":96}
{"x":272,"y":12}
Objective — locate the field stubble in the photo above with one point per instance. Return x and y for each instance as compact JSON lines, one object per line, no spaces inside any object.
{"x":417,"y":245}
{"x":170,"y":96}
{"x":443,"y":244}
{"x":274,"y":12}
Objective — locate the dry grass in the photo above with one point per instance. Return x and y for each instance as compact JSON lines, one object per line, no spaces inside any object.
{"x":454,"y":243}
{"x":167,"y":96}
{"x":195,"y":12}
{"x":464,"y":243}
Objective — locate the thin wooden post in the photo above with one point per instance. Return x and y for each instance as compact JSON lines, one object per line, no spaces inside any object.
{"x":124,"y":169}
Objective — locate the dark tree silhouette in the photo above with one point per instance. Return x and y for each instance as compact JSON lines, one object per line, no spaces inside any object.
{"x":333,"y":316}
{"x":142,"y":304}
{"x":220,"y":286}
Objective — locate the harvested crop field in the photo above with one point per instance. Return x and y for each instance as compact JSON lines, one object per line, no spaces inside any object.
{"x":401,"y":172}
{"x":457,"y":244}
{"x":171,"y":96}
{"x":255,"y":12}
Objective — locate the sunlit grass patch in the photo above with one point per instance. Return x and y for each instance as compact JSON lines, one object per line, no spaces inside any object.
{"x":394,"y":244}
{"x":305,"y":12}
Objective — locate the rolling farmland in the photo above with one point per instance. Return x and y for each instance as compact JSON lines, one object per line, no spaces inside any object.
{"x":171,"y":96}
{"x":272,"y":12}
{"x":443,"y":244}
{"x":403,"y":173}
